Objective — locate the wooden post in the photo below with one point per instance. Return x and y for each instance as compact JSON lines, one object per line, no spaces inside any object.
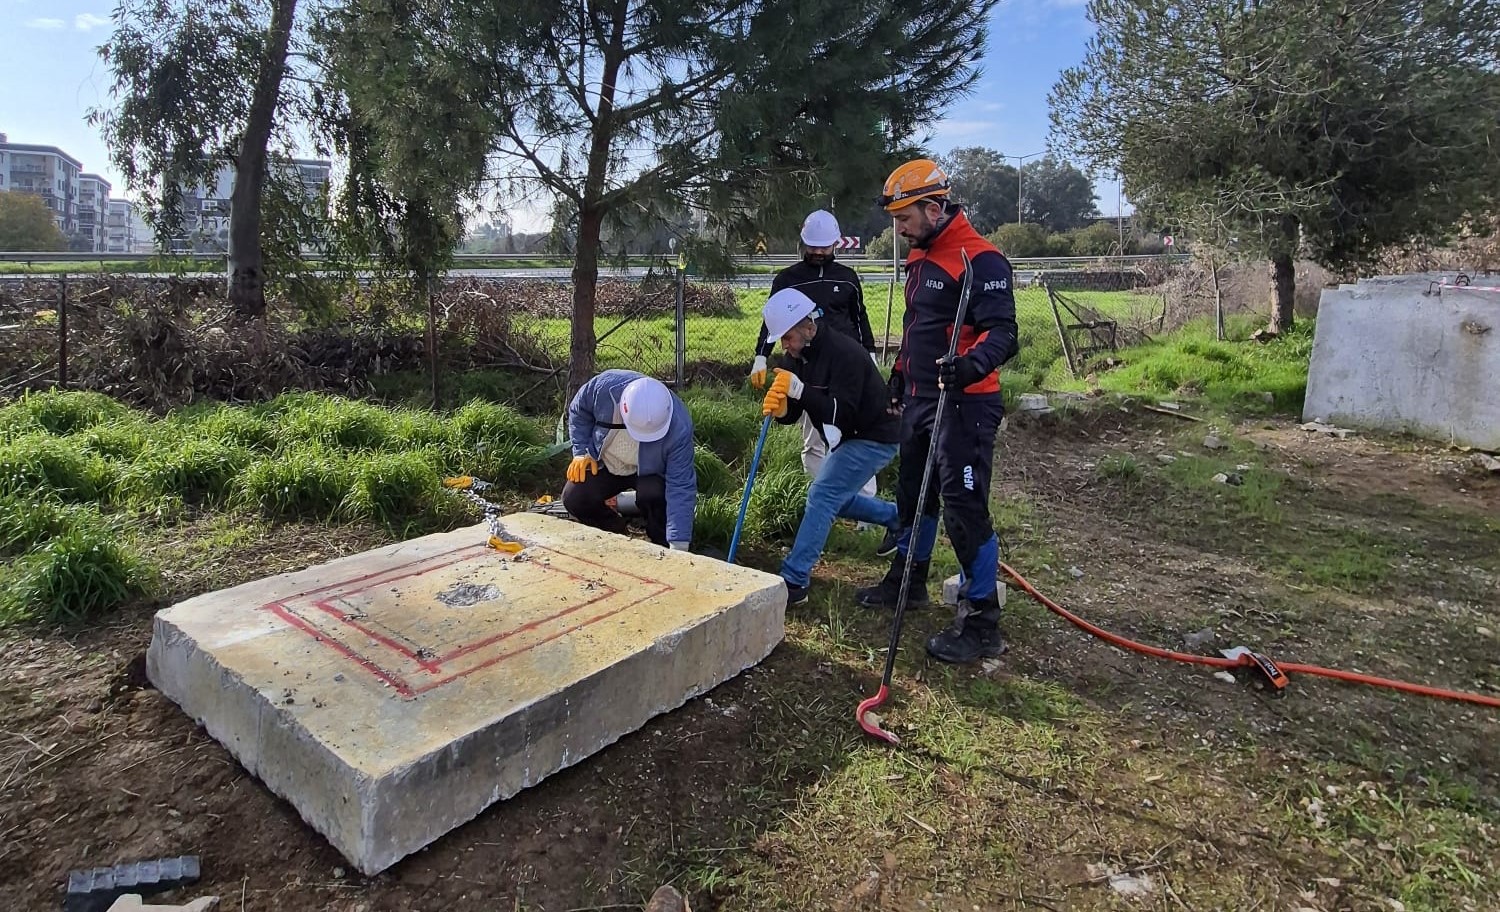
{"x":62,"y":332}
{"x":1218,"y":300}
{"x":1062,"y":334}
{"x":432,"y":351}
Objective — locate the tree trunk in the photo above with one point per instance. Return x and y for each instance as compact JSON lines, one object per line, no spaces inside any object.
{"x":247,"y":280}
{"x":585,"y":283}
{"x":1284,"y":279}
{"x":590,"y":215}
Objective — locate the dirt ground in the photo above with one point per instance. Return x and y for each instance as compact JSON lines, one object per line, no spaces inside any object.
{"x":1065,"y":776}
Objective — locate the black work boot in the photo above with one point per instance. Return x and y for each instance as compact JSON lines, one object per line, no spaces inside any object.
{"x":887,"y":592}
{"x":974,"y":636}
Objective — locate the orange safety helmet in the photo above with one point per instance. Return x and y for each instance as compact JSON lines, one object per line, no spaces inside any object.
{"x":915,"y":180}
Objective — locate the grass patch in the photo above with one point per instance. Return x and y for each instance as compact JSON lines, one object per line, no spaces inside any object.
{"x":714,"y":476}
{"x":24,"y":524}
{"x":776,"y":503}
{"x":39,"y":465}
{"x":61,"y":412}
{"x":196,"y":470}
{"x":398,"y":490}
{"x":713,"y":522}
{"x":481,"y":425}
{"x":228,"y":424}
{"x":303,"y":483}
{"x":1229,"y":374}
{"x":1256,"y":495}
{"x":727,"y":428}
{"x":81,"y":572}
{"x":336,"y":422}
{"x":123,"y":439}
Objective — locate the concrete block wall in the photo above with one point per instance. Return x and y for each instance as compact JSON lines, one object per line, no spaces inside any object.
{"x":1405,"y":354}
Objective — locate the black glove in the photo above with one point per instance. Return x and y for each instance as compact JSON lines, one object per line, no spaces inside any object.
{"x":897,"y":389}
{"x":958,"y":373}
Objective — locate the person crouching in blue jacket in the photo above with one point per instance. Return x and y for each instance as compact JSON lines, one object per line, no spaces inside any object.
{"x":629,"y":431}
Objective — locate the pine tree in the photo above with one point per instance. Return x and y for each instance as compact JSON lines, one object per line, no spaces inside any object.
{"x":623,"y":105}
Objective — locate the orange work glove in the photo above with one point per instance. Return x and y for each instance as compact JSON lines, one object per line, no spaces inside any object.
{"x":580,"y":468}
{"x":785,"y":386}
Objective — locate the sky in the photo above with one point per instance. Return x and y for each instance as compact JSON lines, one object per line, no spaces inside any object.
{"x":51,"y":75}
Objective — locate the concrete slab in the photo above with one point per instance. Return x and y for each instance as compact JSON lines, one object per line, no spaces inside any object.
{"x":393,"y":695}
{"x":1389,"y":355}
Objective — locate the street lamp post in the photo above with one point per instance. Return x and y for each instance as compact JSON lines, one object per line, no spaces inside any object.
{"x":1019,"y":159}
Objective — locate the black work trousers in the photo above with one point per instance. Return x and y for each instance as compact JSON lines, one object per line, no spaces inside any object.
{"x":586,"y":502}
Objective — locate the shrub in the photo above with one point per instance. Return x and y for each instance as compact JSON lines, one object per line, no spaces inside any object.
{"x":80,"y":573}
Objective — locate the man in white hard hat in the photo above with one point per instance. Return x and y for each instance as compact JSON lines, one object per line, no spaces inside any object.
{"x":836,"y":291}
{"x":831,"y":383}
{"x":630,"y":432}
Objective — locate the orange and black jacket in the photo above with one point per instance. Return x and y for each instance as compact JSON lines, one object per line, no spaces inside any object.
{"x":934,"y":278}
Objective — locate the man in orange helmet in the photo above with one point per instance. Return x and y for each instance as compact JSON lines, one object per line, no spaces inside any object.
{"x":917,"y":195}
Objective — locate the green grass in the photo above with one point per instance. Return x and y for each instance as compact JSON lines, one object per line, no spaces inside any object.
{"x":80,"y":572}
{"x":195,"y":471}
{"x":303,"y":483}
{"x":1229,"y":374}
{"x":59,"y":412}
{"x":40,"y":465}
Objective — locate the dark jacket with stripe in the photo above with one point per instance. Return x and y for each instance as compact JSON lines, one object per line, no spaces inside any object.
{"x":841,"y":387}
{"x":934,"y":280}
{"x":835,"y":288}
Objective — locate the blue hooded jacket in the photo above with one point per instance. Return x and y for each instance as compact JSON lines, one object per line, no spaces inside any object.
{"x":595,"y":411}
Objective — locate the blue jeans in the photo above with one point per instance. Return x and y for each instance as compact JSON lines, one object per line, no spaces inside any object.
{"x":835,"y":493}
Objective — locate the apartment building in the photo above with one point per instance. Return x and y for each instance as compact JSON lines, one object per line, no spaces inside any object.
{"x":93,"y":203}
{"x":46,"y":171}
{"x":205,"y":208}
{"x":119,"y":226}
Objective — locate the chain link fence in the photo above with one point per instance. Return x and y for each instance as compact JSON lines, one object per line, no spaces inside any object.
{"x":162,"y":341}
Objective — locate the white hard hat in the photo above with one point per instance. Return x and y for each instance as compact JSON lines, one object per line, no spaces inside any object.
{"x":820,"y":229}
{"x":646,"y":408}
{"x":785,"y":309}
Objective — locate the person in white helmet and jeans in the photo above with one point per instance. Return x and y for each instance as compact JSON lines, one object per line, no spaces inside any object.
{"x":829,"y":382}
{"x":630,"y":432}
{"x":836,"y":291}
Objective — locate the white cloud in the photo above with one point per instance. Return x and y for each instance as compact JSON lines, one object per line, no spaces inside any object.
{"x":85,"y":21}
{"x":46,"y":24}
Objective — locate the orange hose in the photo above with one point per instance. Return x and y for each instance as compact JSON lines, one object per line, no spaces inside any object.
{"x":1215,"y":662}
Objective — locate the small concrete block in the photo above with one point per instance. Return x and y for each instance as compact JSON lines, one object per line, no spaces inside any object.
{"x":951,"y":588}
{"x":132,"y":902}
{"x":392,"y":696}
{"x":950,"y":591}
{"x":95,"y":889}
{"x":1032,"y":402}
